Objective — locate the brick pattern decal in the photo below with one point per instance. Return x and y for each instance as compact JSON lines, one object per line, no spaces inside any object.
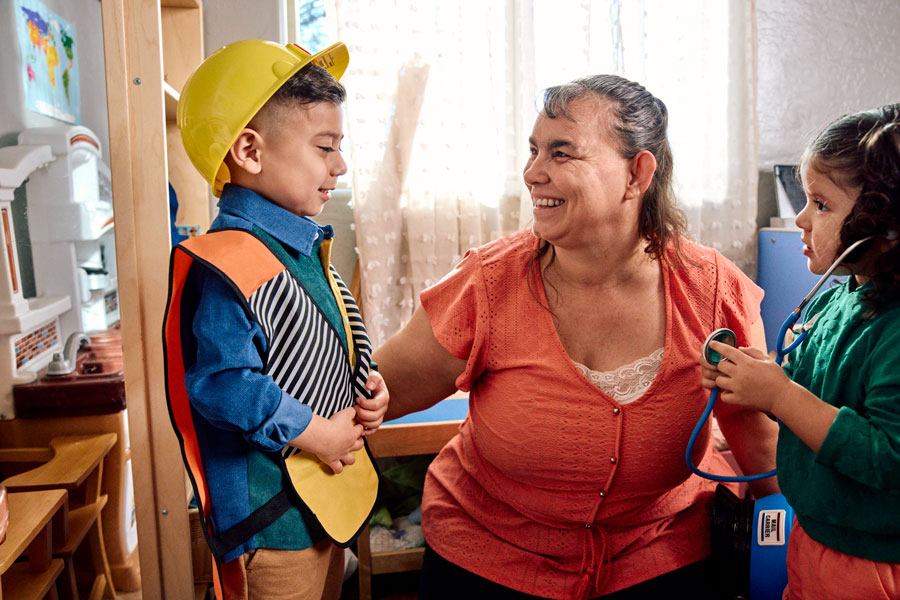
{"x":34,"y":343}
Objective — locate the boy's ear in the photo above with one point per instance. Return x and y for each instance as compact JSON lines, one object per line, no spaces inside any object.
{"x":246,"y":151}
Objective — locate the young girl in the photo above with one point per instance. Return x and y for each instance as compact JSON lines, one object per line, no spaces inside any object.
{"x":838,"y":398}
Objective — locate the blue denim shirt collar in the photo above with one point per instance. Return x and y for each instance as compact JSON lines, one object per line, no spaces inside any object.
{"x":299,"y":233}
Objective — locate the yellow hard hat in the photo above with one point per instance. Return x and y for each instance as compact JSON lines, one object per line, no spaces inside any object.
{"x":229,"y":88}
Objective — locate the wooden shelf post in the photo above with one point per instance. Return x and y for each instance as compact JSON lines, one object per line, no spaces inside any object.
{"x":134,"y":35}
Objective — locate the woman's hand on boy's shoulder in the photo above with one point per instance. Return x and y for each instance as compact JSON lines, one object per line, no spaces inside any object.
{"x":370,"y":411}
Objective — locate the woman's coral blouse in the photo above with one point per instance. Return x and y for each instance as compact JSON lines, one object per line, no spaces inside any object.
{"x":551,"y":485}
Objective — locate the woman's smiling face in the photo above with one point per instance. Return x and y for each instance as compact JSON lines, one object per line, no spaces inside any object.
{"x":577,"y":176}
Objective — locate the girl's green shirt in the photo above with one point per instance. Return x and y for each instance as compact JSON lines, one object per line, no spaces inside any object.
{"x":847,"y":495}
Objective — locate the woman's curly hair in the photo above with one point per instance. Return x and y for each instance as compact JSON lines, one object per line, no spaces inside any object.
{"x":862,"y":151}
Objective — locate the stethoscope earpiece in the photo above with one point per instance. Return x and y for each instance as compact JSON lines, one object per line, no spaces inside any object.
{"x":725,"y":336}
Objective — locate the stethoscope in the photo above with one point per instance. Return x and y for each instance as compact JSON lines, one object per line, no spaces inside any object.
{"x":726,"y":336}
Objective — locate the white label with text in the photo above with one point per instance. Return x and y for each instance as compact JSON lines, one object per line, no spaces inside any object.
{"x":770,"y":528}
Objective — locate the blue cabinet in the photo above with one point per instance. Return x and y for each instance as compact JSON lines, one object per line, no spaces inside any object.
{"x":781,"y":271}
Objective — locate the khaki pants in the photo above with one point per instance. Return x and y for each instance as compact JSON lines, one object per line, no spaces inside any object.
{"x":312,"y":574}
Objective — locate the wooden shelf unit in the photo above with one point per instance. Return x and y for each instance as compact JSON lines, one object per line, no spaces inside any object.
{"x":182,"y":45}
{"x":73,"y":464}
{"x":30,"y":533}
{"x":172,"y":96}
{"x":150,"y":49}
{"x":25,"y":584}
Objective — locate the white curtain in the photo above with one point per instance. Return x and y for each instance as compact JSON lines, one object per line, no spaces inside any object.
{"x":436,"y":123}
{"x":442,"y":96}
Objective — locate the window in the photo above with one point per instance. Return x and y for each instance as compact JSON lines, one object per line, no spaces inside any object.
{"x":310,"y":24}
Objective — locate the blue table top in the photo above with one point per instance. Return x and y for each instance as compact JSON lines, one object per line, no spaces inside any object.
{"x":449,"y":409}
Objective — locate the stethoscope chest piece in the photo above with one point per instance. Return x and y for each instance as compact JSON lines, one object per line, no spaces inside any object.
{"x":725,"y":336}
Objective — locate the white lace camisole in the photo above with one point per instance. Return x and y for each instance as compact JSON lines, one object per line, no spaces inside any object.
{"x":628,"y":382}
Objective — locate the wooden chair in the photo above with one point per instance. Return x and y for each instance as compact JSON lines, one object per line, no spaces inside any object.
{"x":30,"y":533}
{"x":4,"y":513}
{"x":74,"y":464}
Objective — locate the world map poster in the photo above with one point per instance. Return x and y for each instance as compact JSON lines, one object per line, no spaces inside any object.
{"x":49,"y":62}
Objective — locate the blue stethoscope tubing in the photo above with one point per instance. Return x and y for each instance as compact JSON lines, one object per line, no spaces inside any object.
{"x":690,"y":449}
{"x":780,"y":353}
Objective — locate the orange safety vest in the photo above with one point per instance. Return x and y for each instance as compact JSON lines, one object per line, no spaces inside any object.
{"x":340,"y":504}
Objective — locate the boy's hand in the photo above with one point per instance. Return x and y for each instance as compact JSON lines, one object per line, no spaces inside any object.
{"x":332,"y":440}
{"x":370,"y":411}
{"x":748,"y":378}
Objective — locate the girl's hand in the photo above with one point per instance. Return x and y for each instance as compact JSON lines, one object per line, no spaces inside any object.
{"x":749,"y":378}
{"x":370,"y":411}
{"x":708,"y":373}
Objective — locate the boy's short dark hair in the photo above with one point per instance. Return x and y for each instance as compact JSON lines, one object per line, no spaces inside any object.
{"x":310,"y":85}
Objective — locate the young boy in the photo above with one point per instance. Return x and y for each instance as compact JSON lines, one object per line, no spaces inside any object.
{"x":266,"y":352}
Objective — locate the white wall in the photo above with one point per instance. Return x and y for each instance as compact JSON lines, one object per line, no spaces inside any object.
{"x":226,"y":21}
{"x":85,"y":16}
{"x":223,"y":21}
{"x":819,"y":59}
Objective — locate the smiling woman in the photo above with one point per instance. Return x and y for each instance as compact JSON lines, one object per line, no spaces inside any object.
{"x":576,"y":341}
{"x":578,"y":178}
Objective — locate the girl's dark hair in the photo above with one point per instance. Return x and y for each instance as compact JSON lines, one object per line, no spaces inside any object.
{"x":862,"y":151}
{"x":640,"y":123}
{"x":310,"y":85}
